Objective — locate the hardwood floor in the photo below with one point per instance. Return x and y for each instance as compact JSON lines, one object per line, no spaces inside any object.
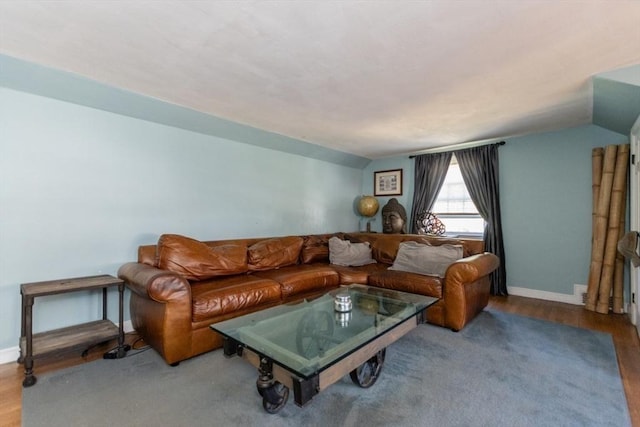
{"x":624,"y":336}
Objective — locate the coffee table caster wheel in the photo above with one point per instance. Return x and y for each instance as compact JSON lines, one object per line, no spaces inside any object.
{"x":366,"y":374}
{"x":275,"y":397}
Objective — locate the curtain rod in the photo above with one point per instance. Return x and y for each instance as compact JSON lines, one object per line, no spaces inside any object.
{"x":456,"y":148}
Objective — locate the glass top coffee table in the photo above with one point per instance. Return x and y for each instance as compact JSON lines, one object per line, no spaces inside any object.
{"x":308,"y":345}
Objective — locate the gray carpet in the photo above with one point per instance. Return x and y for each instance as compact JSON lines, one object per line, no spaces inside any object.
{"x":501,"y":370}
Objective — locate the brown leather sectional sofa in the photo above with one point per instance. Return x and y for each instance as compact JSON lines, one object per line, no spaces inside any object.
{"x":175,"y":296}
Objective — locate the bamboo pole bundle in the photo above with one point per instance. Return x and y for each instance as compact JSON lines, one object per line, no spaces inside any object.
{"x":618,"y":277}
{"x":600,"y":226}
{"x":596,"y":176}
{"x":613,"y":229}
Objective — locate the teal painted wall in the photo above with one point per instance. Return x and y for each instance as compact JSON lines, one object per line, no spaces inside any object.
{"x":616,"y":105}
{"x":51,"y":83}
{"x":546,"y":199}
{"x":616,"y":99}
{"x":545,"y":186}
{"x":81,"y":188}
{"x":629,"y":75}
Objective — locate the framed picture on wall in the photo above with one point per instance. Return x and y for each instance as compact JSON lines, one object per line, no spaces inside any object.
{"x":387,"y":183}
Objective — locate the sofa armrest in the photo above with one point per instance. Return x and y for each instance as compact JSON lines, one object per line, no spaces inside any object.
{"x":153,"y":283}
{"x":466,"y":288}
{"x":471,"y":268}
{"x":160,"y":307}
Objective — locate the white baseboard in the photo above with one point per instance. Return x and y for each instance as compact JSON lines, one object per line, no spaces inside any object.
{"x":575,"y":299}
{"x":11,"y":354}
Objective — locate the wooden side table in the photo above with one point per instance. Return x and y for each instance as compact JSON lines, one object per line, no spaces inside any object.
{"x":83,"y":336}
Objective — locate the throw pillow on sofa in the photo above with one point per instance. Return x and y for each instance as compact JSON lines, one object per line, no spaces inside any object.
{"x":346,"y":253}
{"x":274,"y":253}
{"x":196,"y":260}
{"x":429,"y":260}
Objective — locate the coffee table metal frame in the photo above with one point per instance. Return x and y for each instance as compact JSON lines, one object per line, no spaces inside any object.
{"x":273,"y":374}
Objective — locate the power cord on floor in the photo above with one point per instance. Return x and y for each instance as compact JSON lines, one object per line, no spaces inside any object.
{"x":115,"y":352}
{"x":130,"y":350}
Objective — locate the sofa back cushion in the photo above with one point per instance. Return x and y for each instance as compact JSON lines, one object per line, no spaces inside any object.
{"x":274,"y":253}
{"x":147,"y":255}
{"x":414,"y":257}
{"x":385,"y":249}
{"x":385,"y":246}
{"x":315,"y":249}
{"x":196,"y":260}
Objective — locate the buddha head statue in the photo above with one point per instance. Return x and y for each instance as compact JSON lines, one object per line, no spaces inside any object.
{"x":394,"y":218}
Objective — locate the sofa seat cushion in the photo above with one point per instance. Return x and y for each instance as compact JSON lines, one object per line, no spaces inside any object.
{"x":229,"y":294}
{"x":430,"y":286}
{"x":302,"y":278}
{"x":359,"y":274}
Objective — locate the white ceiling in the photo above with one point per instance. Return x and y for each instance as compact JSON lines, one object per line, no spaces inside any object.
{"x":371,"y":78}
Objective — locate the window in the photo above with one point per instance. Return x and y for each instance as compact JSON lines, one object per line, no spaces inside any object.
{"x":455,"y":208}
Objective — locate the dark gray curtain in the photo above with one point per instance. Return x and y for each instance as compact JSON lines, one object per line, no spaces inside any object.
{"x":430,"y":172}
{"x":479,"y":169}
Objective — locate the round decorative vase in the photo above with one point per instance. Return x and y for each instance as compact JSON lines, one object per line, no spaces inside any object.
{"x":368,"y":206}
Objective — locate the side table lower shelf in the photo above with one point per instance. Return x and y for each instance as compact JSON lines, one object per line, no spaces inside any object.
{"x":77,"y":337}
